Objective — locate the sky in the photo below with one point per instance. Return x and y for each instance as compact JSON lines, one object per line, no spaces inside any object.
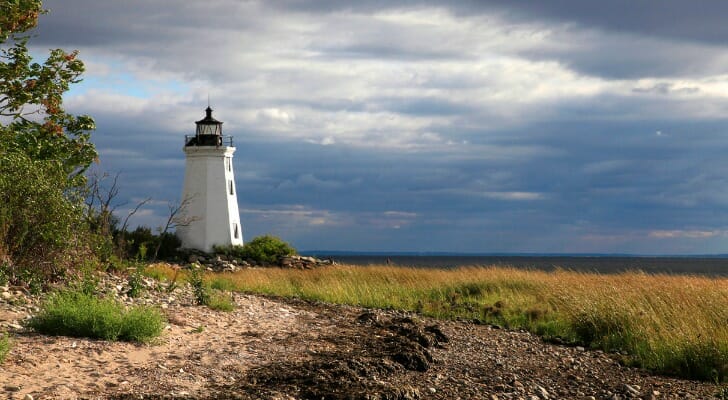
{"x":469,"y":126}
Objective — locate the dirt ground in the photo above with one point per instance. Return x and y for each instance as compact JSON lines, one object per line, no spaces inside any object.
{"x":271,"y":348}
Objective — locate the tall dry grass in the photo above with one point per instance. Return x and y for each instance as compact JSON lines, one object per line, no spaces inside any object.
{"x":671,"y":324}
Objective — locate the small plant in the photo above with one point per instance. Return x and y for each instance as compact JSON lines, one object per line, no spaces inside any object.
{"x":220,"y":301}
{"x":4,"y":346}
{"x":74,"y":313}
{"x":88,"y":283}
{"x":199,"y":329}
{"x":172,"y":285}
{"x":204,"y":296}
{"x":196,"y":279}
{"x":33,"y":279}
{"x":136,"y":282}
{"x":142,"y":252}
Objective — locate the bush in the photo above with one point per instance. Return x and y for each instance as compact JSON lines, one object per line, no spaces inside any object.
{"x":143,"y":238}
{"x":79,"y":314}
{"x":39,"y":224}
{"x":262,"y":249}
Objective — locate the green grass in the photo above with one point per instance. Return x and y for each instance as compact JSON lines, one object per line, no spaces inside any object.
{"x":75,"y":313}
{"x":220,"y":301}
{"x":4,"y":346}
{"x":676,"y":325}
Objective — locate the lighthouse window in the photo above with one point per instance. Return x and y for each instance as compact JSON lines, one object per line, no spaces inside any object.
{"x":235,"y":228}
{"x":231,"y":187}
{"x":229,"y":164}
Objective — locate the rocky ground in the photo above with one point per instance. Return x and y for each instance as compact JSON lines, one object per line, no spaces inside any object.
{"x":272,"y":348}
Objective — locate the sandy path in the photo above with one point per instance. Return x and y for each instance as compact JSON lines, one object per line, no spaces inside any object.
{"x":70,"y":368}
{"x":284,"y":349}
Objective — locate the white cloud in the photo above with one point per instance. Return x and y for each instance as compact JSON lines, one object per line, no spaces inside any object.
{"x":514,"y":196}
{"x":690,"y":234}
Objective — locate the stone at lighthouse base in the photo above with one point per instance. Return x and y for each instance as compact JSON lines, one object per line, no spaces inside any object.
{"x":227,"y":263}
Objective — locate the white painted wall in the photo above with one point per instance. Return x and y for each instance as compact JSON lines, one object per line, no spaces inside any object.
{"x":214,"y":210}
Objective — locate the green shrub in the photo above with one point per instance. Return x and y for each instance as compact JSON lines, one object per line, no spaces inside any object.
{"x":4,"y":346}
{"x":215,"y":298}
{"x":196,"y":279}
{"x":262,"y":249}
{"x":86,"y":283}
{"x":75,"y":313}
{"x":43,"y":157}
{"x":141,"y":244}
{"x":220,"y":301}
{"x":38,"y":222}
{"x":141,"y":324}
{"x":136,"y":282}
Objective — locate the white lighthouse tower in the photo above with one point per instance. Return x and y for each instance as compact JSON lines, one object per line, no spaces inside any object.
{"x":209,"y":197}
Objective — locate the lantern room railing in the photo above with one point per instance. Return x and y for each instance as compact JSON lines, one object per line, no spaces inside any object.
{"x":208,"y":140}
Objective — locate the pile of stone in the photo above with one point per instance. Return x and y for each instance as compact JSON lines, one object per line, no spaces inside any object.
{"x":301,"y":262}
{"x":229,"y":263}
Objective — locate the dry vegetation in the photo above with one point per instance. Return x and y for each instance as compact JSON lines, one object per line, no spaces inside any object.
{"x":667,"y":323}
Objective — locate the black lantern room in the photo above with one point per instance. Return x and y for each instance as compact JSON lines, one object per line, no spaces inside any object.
{"x":209,"y":131}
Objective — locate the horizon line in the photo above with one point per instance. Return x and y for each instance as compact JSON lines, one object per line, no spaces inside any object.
{"x":507,"y":254}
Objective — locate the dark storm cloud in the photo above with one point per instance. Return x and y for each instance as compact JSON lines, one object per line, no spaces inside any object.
{"x":672,"y":19}
{"x":472,"y":126}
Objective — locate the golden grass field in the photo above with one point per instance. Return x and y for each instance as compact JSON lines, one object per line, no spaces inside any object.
{"x":672,"y":324}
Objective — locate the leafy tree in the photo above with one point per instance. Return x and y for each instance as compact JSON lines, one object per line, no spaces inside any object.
{"x":31,"y":97}
{"x":44,"y":151}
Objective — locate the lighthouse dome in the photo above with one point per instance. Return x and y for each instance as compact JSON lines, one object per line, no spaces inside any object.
{"x":208,"y":133}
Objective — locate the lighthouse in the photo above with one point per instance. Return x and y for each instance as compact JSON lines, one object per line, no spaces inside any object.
{"x":209,"y":212}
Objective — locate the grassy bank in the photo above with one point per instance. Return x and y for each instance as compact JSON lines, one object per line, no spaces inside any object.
{"x":670,"y":324}
{"x":79,"y":314}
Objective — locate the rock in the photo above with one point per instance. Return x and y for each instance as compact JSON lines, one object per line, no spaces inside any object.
{"x":542,"y":393}
{"x":12,"y":388}
{"x":28,"y":397}
{"x":631,"y":390}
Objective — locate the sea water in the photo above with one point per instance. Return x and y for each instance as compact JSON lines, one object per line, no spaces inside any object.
{"x":699,"y":265}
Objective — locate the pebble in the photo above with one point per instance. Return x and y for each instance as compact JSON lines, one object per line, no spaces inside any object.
{"x":28,"y":397}
{"x":543,"y":393}
{"x":631,"y":390}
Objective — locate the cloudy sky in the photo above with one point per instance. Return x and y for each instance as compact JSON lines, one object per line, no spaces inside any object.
{"x":503,"y":126}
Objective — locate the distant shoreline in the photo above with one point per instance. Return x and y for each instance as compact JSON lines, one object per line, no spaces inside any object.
{"x":699,"y":265}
